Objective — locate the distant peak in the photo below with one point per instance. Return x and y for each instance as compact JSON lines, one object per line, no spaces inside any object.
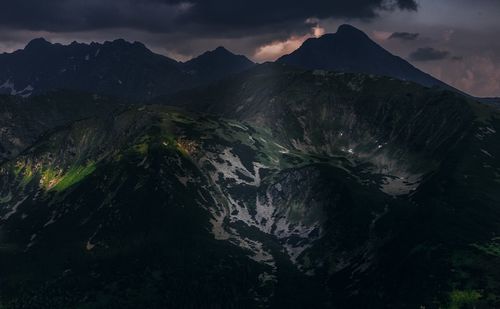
{"x":139,"y":44}
{"x":119,"y":42}
{"x":122,"y":43}
{"x":221,"y":50}
{"x":76,"y":44}
{"x":218,"y":52}
{"x":221,"y":56}
{"x":345,"y":33}
{"x":348,"y":29}
{"x":38,"y":43}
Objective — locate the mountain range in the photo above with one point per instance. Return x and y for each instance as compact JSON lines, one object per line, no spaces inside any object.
{"x":116,"y":68}
{"x":280,"y":185}
{"x":131,"y":70}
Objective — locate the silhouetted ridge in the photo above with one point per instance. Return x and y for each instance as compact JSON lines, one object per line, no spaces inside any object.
{"x":37,"y":44}
{"x":351,"y":50}
{"x":117,"y":67}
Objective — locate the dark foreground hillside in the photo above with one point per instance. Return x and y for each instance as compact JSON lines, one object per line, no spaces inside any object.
{"x":280,"y":188}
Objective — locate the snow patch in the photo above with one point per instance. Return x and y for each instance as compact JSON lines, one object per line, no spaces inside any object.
{"x":400,"y":185}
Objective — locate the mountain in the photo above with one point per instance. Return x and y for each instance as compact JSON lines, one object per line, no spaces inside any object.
{"x":216,"y":64}
{"x":281,"y":188}
{"x":116,"y":68}
{"x":403,"y":129}
{"x":35,"y":76}
{"x":434,"y":151}
{"x":351,"y":50}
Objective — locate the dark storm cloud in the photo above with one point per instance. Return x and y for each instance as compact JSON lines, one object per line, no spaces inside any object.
{"x":182,"y":16}
{"x":429,"y":54}
{"x":405,"y":36}
{"x":258,"y":12}
{"x":84,"y":15}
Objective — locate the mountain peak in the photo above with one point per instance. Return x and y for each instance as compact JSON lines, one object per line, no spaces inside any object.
{"x":351,"y":50}
{"x":38,"y":43}
{"x":124,"y":45}
{"x":217,"y":63}
{"x":219,"y":54}
{"x":346,"y":34}
{"x":221,"y":49}
{"x":118,"y":42}
{"x":346,"y":28}
{"x":131,"y":69}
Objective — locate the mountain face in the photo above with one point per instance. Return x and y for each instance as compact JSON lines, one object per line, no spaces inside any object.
{"x":396,"y":125}
{"x":281,"y":188}
{"x":115,"y":68}
{"x":351,"y":50}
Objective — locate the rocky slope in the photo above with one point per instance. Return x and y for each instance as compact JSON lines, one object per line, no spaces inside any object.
{"x":165,"y":196}
{"x":403,"y":129}
{"x":432,"y":149}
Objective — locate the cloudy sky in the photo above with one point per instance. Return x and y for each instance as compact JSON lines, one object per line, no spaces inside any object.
{"x":454,"y":40}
